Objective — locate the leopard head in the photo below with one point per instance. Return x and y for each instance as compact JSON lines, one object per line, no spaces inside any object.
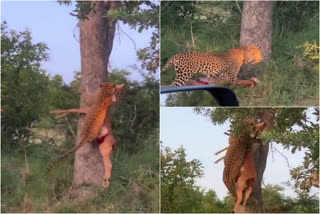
{"x":252,"y":127}
{"x":110,"y":92}
{"x":251,"y":54}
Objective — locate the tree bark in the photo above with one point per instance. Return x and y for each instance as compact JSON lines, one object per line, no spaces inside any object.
{"x":96,"y":40}
{"x":255,"y":201}
{"x":256,"y":29}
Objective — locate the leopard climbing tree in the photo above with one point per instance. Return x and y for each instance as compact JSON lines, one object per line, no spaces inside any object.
{"x":97,"y":26}
{"x":95,"y":52}
{"x":239,"y":174}
{"x":292,"y":128}
{"x":96,"y":126}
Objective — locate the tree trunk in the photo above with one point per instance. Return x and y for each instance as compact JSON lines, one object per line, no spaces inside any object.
{"x":255,"y":201}
{"x":256,"y":29}
{"x":96,"y":40}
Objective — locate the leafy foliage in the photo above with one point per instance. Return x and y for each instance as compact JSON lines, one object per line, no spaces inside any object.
{"x":293,"y":15}
{"x":23,"y":85}
{"x":142,"y":15}
{"x":137,"y":112}
{"x":134,"y":182}
{"x":276,"y":202}
{"x":178,"y":178}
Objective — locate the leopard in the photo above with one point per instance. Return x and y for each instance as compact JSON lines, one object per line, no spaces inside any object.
{"x":238,"y":147}
{"x":95,"y":115}
{"x":212,"y":65}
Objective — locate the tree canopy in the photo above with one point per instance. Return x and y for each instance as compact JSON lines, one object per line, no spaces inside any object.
{"x":293,"y":128}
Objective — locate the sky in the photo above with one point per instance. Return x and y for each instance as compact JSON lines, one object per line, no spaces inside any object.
{"x":51,"y":23}
{"x":201,"y":139}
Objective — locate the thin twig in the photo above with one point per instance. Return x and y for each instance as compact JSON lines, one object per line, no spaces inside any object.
{"x":74,"y":35}
{"x":272,"y":151}
{"x":177,"y":44}
{"x":27,"y":165}
{"x":192,"y":38}
{"x":134,"y":44}
{"x":283,"y":156}
{"x":70,"y":127}
{"x":238,"y":6}
{"x":134,"y":117}
{"x":148,"y":117}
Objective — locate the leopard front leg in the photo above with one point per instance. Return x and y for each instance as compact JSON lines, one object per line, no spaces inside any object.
{"x":232,"y":77}
{"x":181,"y":79}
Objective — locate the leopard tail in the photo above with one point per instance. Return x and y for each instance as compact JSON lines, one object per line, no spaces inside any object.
{"x":169,"y":62}
{"x":52,"y":164}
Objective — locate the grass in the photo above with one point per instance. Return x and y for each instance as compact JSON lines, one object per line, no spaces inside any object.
{"x":133,"y":185}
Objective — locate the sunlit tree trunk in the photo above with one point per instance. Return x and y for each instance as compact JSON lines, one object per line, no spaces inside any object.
{"x":256,"y":29}
{"x":96,"y":40}
{"x":255,"y":202}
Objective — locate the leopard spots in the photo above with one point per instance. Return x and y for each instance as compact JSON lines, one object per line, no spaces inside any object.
{"x":212,"y":65}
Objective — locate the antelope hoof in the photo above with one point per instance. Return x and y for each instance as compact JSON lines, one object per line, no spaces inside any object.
{"x":105,"y":182}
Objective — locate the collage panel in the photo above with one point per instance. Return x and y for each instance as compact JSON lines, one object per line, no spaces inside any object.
{"x":159,"y":106}
{"x":242,"y":160}
{"x":247,"y":53}
{"x":80,"y":107}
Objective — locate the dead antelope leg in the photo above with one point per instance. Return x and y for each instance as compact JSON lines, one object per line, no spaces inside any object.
{"x":240,"y":188}
{"x":61,"y":113}
{"x":245,"y":182}
{"x":250,"y":184}
{"x":105,"y":150}
{"x":219,"y":159}
{"x":218,"y":152}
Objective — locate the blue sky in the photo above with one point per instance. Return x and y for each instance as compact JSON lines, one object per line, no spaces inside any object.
{"x":201,"y":139}
{"x":52,"y":24}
